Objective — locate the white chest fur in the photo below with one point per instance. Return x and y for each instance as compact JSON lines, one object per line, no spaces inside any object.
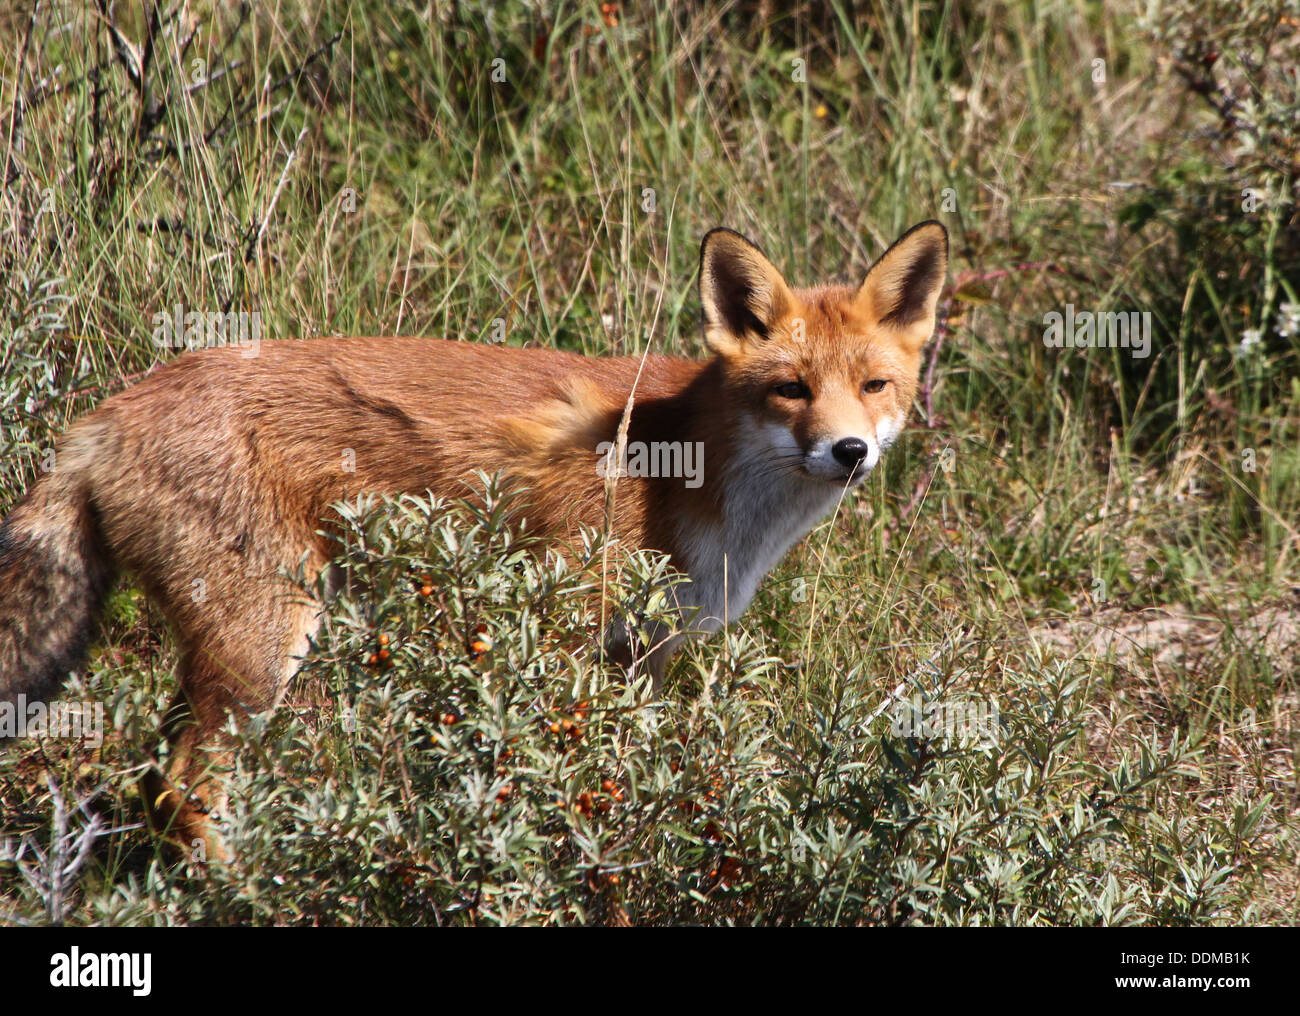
{"x":766,"y":510}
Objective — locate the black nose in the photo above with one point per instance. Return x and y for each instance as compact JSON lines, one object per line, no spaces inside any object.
{"x":849,"y":451}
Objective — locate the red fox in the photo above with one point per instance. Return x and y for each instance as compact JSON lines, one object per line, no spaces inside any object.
{"x":219,"y":468}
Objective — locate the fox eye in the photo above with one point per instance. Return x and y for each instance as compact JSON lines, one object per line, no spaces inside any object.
{"x":793,"y":390}
{"x":871,"y":387}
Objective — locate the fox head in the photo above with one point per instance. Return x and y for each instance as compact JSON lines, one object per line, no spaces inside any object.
{"x":825,"y":376}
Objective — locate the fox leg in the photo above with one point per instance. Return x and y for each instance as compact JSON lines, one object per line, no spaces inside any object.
{"x":180,"y":797}
{"x":222,"y":673}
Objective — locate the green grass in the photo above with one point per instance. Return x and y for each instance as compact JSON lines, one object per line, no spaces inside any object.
{"x":1072,"y":535}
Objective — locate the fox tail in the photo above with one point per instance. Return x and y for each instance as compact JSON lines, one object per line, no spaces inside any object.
{"x":55,"y":572}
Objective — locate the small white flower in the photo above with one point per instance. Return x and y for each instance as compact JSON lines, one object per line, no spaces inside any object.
{"x":1288,"y":319}
{"x":1250,"y":338}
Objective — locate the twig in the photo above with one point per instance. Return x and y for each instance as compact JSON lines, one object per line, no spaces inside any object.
{"x":256,"y":241}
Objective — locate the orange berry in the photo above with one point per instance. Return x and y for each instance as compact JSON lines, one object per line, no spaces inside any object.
{"x":383,"y":640}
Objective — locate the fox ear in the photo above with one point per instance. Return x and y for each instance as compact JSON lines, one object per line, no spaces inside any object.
{"x":901,"y":291}
{"x":742,"y":292}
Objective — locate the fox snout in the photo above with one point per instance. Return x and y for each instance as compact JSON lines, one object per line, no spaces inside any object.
{"x":840,"y":459}
{"x":850,"y":457}
{"x":850,"y":451}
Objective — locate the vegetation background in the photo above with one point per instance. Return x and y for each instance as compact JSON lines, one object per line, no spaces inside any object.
{"x":1101,"y":548}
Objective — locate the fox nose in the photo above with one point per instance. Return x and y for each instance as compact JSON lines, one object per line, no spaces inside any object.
{"x":849,"y":451}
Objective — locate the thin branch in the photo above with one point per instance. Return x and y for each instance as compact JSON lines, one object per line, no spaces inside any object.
{"x":255,"y":241}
